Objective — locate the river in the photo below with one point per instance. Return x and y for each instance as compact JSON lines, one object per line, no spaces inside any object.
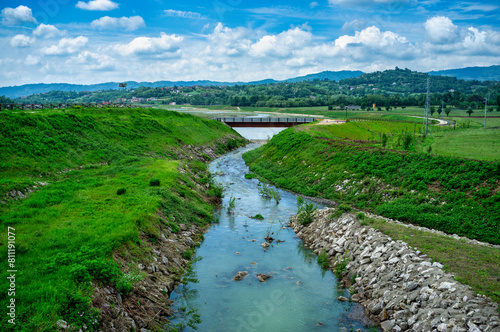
{"x":299,"y":296}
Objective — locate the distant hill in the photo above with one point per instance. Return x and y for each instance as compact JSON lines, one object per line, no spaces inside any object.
{"x":330,"y":75}
{"x":491,"y":73}
{"x":30,"y":89}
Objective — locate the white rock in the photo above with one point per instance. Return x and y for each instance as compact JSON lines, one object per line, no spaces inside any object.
{"x":446,"y":285}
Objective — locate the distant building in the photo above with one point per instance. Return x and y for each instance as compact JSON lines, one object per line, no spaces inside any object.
{"x":353,"y":107}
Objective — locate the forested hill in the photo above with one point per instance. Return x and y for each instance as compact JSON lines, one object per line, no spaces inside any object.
{"x":30,"y":89}
{"x":491,"y":73}
{"x":407,"y":81}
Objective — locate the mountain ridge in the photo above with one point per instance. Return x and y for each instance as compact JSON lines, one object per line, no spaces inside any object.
{"x":467,"y":73}
{"x":30,"y":89}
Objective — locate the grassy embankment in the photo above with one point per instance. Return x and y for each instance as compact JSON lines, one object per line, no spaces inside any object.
{"x":449,"y":194}
{"x":67,"y":230}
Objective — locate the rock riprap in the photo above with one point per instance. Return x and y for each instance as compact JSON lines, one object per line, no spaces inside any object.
{"x":399,"y":287}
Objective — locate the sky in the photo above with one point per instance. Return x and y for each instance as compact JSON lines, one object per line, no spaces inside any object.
{"x":95,"y":41}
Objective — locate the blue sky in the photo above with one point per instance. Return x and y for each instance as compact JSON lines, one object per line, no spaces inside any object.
{"x":92,"y":41}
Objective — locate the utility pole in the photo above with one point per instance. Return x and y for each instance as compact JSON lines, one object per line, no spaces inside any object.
{"x":485,"y":106}
{"x":427,"y":108}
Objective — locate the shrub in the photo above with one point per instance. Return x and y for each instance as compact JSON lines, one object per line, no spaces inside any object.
{"x":250,"y":176}
{"x":305,"y":213}
{"x":340,"y":267}
{"x":154,"y":182}
{"x":187,"y":254}
{"x":341,"y":209}
{"x":121,"y":191}
{"x":323,"y":260}
{"x":360,"y":216}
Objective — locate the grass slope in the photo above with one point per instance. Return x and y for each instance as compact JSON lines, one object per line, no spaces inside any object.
{"x":449,"y":194}
{"x":66,"y":231}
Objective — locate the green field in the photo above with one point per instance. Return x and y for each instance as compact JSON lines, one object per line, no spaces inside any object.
{"x":97,"y":167}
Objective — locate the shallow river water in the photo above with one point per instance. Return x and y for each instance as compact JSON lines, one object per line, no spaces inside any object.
{"x":299,"y":296}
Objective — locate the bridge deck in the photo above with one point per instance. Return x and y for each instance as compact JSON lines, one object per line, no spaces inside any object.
{"x":265,"y":122}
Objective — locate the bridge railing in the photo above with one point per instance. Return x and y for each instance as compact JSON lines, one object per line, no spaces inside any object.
{"x":267,"y":120}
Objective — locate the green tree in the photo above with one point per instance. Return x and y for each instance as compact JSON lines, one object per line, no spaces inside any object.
{"x":469,"y":110}
{"x":447,"y":110}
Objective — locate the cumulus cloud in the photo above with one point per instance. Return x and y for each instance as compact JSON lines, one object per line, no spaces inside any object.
{"x":21,"y":41}
{"x":128,"y":23}
{"x":371,"y":40}
{"x":441,"y":30}
{"x":282,"y":44}
{"x":224,"y":41}
{"x":182,"y":14}
{"x":46,"y":31}
{"x":66,"y":46}
{"x":103,"y":5}
{"x":313,"y":4}
{"x":150,"y":45}
{"x":93,"y":61}
{"x":20,"y":14}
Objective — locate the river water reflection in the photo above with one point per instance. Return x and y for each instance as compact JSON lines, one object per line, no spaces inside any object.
{"x":299,"y":296}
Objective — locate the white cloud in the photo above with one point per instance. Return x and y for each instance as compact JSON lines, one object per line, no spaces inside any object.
{"x":481,"y":42}
{"x":373,"y":39}
{"x":358,"y":2}
{"x":21,"y":41}
{"x":224,"y":41}
{"x":182,"y":14}
{"x":20,"y":14}
{"x":66,"y":46}
{"x":354,"y":25}
{"x":46,"y":31}
{"x":441,"y":30}
{"x":313,"y":4}
{"x":103,"y":5}
{"x":150,"y":45}
{"x":93,"y":61}
{"x":282,"y":44}
{"x":128,"y":23}
{"x":31,"y":60}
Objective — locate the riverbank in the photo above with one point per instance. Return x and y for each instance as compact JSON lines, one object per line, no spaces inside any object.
{"x":399,"y":286}
{"x":107,"y":206}
{"x":250,"y":240}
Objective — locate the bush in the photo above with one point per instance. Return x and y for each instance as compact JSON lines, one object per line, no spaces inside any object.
{"x":187,"y":254}
{"x":121,"y":191}
{"x":360,"y":216}
{"x":340,"y":267}
{"x":341,"y":209}
{"x":305,"y":213}
{"x":154,"y":182}
{"x":323,"y":260}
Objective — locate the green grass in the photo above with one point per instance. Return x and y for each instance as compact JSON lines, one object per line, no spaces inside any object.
{"x":474,"y":265}
{"x":67,"y":231}
{"x":476,"y":143}
{"x":359,"y":130}
{"x":450,"y":194}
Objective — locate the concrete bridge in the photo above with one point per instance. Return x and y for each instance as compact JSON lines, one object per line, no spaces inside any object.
{"x":264,"y":122}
